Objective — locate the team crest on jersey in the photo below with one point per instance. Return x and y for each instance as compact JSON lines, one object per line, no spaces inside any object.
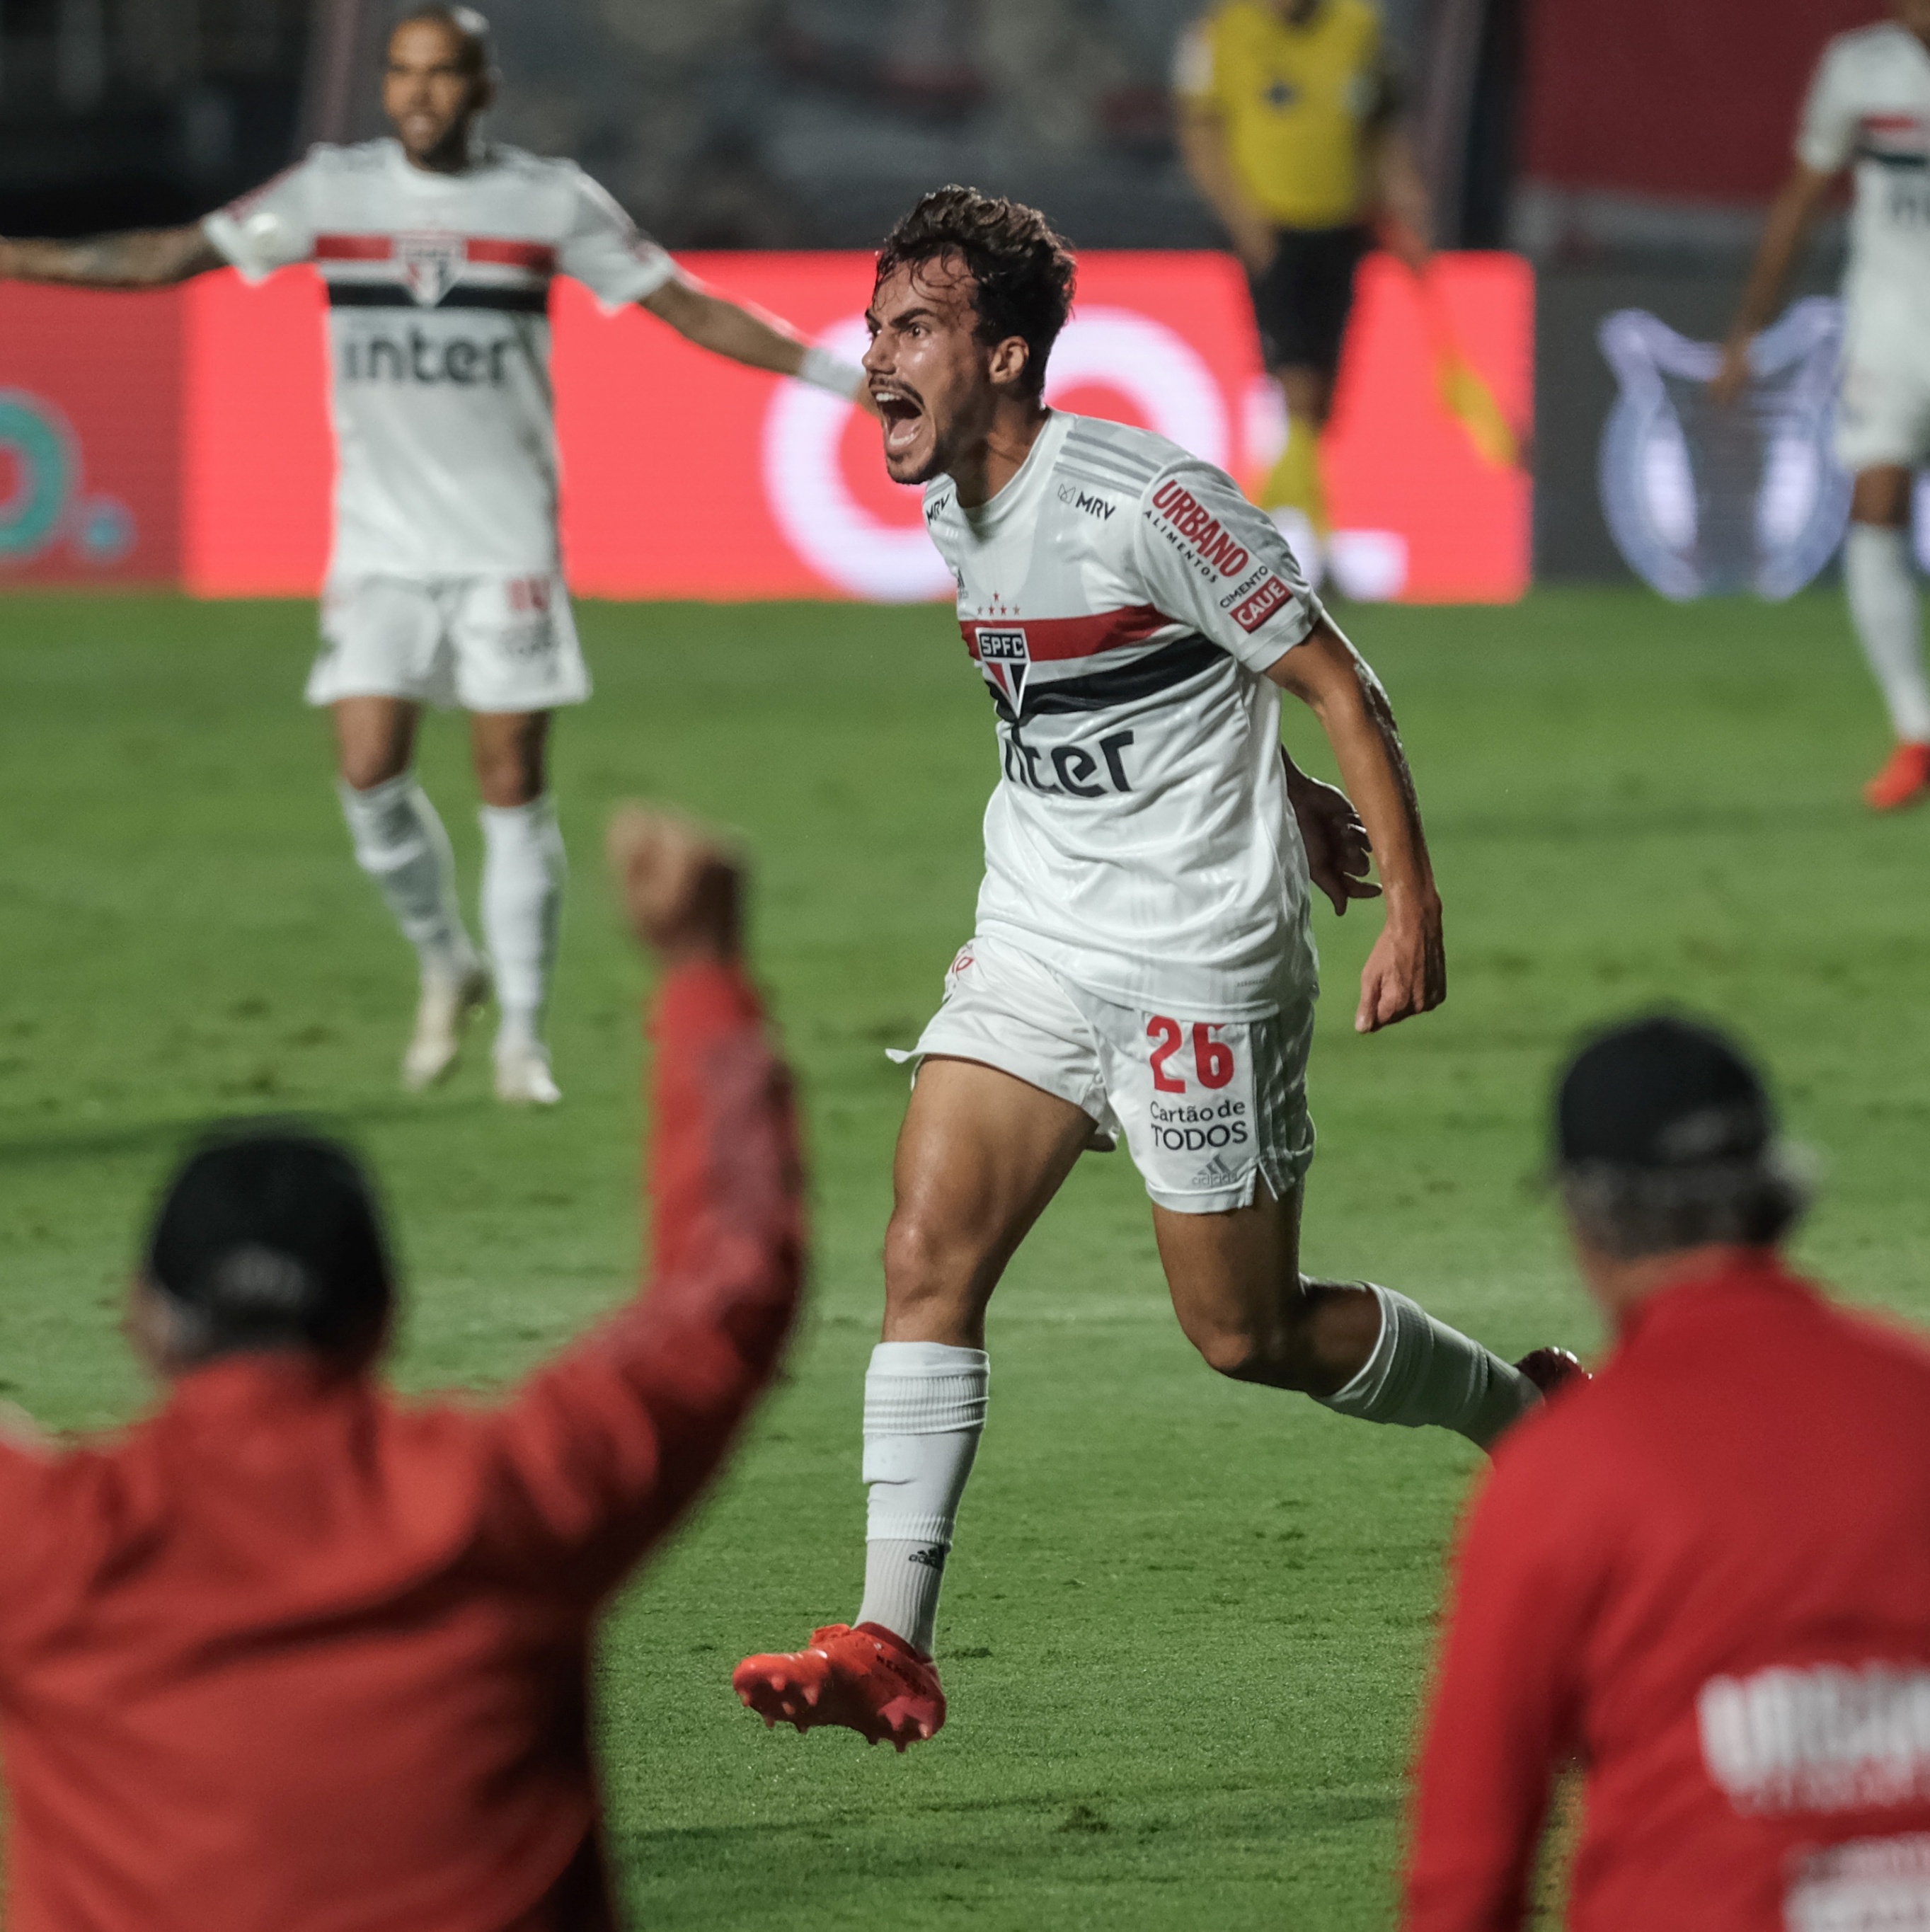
{"x":1004,"y":658}
{"x":430,"y":263}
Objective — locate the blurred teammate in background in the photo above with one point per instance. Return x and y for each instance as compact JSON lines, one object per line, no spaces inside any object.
{"x":1143,"y":963}
{"x":444,"y":585}
{"x":1288,"y":126}
{"x":1869,"y":107}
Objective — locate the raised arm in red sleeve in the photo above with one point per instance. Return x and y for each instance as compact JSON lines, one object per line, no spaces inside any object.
{"x":1501,"y":1714}
{"x":604,"y":1449}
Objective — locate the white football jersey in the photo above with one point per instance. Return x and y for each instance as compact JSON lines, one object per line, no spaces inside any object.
{"x":438,"y":293}
{"x":1122,"y":601}
{"x":1869,"y":106}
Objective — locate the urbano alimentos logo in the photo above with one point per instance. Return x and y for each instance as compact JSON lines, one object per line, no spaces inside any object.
{"x":42,"y":499}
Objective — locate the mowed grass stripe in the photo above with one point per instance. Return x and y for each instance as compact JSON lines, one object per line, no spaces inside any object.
{"x":1187,"y":1624}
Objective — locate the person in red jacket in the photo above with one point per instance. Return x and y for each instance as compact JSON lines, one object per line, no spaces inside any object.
{"x":292,"y":1653}
{"x":1706,"y":1574}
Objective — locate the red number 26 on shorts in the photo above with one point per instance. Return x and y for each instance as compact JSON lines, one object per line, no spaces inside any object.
{"x":1212,"y":1059}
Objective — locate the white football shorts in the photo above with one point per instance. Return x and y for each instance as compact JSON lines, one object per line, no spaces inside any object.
{"x":1883,"y":410}
{"x":485,"y":644}
{"x":1207,"y":1106}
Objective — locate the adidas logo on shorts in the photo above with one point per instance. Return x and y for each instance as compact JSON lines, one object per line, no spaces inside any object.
{"x":1215,"y":1174}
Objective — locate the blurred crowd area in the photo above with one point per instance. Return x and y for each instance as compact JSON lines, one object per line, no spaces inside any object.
{"x":813,"y":123}
{"x":718,"y":123}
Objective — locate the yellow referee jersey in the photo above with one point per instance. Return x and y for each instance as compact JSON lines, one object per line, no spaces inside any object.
{"x":1295,"y":102}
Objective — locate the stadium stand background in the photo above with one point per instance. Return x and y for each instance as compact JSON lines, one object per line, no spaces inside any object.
{"x":1628,"y":151}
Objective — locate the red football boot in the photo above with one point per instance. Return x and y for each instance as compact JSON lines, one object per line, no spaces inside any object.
{"x":869,"y":1680}
{"x":1552,"y":1369}
{"x":1904,"y":779}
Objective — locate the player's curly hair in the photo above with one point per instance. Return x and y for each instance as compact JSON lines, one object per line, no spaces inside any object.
{"x":1023,"y":273}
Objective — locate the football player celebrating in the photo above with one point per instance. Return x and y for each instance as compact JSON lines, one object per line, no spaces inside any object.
{"x":1143,"y":963}
{"x":1869,"y":105}
{"x":438,"y":250}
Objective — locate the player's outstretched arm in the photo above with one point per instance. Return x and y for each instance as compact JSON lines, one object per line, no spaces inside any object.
{"x":146,"y":258}
{"x":1792,"y":215}
{"x":748,"y":335}
{"x":1407,"y":971}
{"x":604,"y":1448}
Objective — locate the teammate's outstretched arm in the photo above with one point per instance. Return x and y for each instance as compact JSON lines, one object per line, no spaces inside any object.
{"x":146,"y":258}
{"x":1792,"y":215}
{"x":747,"y":335}
{"x":1407,"y":971}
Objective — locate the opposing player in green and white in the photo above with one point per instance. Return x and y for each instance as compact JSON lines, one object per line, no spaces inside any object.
{"x":444,"y":586}
{"x":1143,"y":964}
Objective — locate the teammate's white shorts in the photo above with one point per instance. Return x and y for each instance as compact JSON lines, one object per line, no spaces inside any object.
{"x":1207,"y":1106}
{"x":1883,"y":410}
{"x":486,"y":643}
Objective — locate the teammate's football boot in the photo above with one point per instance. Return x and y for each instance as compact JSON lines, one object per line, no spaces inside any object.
{"x":1904,"y":779}
{"x":869,"y":1680}
{"x":1552,"y":1369}
{"x":523,"y":1076}
{"x":446,"y":1007}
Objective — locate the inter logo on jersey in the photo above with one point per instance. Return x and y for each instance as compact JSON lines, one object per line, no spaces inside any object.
{"x":429,"y":263}
{"x":1004,"y":658}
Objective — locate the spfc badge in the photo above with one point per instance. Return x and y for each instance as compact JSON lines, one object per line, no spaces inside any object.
{"x":1700,"y":498}
{"x":430,"y":263}
{"x":1003,"y":659}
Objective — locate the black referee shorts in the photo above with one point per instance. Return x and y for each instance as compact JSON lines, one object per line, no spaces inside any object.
{"x":1302,"y":302}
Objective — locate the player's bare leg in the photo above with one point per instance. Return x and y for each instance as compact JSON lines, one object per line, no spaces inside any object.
{"x":523,"y":873}
{"x":1880,"y":577}
{"x":979,"y":1156}
{"x":1360,"y":1349}
{"x":400,"y":843}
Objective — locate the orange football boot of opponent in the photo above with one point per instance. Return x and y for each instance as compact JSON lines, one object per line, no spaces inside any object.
{"x":1904,"y":779}
{"x":869,"y":1680}
{"x":1552,"y":1369}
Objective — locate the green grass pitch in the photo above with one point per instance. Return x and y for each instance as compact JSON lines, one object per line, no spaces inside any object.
{"x":1187,"y":1623}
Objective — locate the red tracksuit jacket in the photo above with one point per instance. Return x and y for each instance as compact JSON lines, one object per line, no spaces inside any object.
{"x":293,"y":1656}
{"x":1708,"y":1574}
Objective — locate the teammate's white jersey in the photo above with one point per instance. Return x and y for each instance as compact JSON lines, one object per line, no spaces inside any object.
{"x":1869,"y":106}
{"x":438,"y":288}
{"x":1121,"y":599}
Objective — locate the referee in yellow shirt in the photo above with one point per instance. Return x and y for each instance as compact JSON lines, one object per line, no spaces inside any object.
{"x":1287,"y":125}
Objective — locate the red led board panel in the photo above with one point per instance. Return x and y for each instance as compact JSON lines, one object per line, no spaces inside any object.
{"x":259,"y":454}
{"x":90,"y":437}
{"x":685,"y":475}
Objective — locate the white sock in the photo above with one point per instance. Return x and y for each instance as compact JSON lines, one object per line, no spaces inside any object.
{"x":1882,"y":585}
{"x":400,"y":843}
{"x":1421,"y":1371}
{"x":523,"y":872}
{"x":924,"y":1411}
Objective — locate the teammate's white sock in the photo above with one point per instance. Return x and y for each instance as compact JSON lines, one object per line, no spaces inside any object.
{"x":523,"y":871}
{"x":1421,"y":1371}
{"x":1882,"y":586}
{"x":400,"y":843}
{"x":924,"y":1411}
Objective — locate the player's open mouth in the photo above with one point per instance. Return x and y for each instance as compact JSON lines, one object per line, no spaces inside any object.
{"x":902,"y":413}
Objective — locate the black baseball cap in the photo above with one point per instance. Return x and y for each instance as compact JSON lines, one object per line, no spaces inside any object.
{"x":1661,"y":1093}
{"x":273,"y":1236}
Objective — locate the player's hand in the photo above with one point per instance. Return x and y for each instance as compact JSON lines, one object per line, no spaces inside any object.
{"x":680,"y":883}
{"x":1733,"y":378}
{"x":1406,"y":972}
{"x":1338,"y":849}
